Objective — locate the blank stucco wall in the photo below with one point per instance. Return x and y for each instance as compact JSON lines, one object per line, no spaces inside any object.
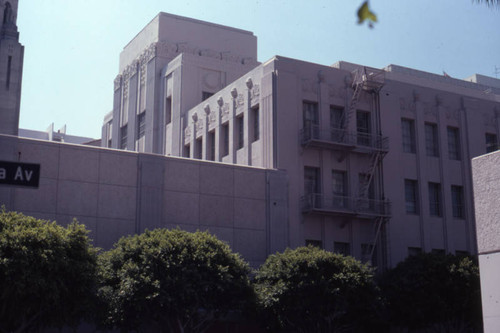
{"x":486,"y":177}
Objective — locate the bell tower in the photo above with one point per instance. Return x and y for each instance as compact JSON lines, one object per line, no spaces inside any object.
{"x":11,"y":68}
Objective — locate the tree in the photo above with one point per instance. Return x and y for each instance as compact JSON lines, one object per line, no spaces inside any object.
{"x":312,"y":290}
{"x":172,"y":280}
{"x":434,"y":291}
{"x":47,"y":273}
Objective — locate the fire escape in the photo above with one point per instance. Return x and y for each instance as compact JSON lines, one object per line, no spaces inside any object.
{"x":375,"y":146}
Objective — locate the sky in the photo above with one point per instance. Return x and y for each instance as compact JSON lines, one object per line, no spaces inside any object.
{"x":72,"y":47}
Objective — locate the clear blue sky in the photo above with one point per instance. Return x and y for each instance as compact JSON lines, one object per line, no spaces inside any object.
{"x":72,"y":47}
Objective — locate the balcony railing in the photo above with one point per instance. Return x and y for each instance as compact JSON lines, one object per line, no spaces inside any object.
{"x":341,"y":205}
{"x":313,"y":135}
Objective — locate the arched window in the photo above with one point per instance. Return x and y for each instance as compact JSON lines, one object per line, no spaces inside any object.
{"x":7,"y":13}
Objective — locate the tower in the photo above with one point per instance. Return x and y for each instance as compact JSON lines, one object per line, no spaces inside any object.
{"x":11,"y":68}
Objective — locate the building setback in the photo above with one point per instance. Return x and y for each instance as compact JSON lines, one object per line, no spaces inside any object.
{"x":378,"y":160}
{"x":368,"y":162}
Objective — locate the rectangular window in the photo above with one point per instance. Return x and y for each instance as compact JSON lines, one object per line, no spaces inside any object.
{"x":311,"y":120}
{"x":256,"y":123}
{"x":225,"y":139}
{"x":457,"y":201}
{"x":312,"y":183}
{"x":411,"y":196}
{"x":123,"y":137}
{"x":336,"y":117}
{"x":342,"y":248}
{"x":199,"y":148}
{"x":211,"y":142}
{"x":168,"y":110}
{"x":453,"y":143}
{"x":109,"y":131}
{"x":431,"y":140}
{"x":141,"y":124}
{"x":491,"y":142}
{"x":241,"y":131}
{"x":314,"y":242}
{"x":205,"y":95}
{"x":339,"y":187}
{"x":408,"y":131}
{"x":364,"y":128}
{"x":9,"y":65}
{"x":435,"y":199}
{"x":187,"y":151}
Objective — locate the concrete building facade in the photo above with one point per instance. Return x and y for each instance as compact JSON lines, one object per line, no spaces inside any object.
{"x":486,"y":175}
{"x":11,"y":68}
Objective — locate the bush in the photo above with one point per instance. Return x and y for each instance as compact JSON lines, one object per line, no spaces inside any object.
{"x":434,"y":291}
{"x":47,"y":273}
{"x":172,"y":280}
{"x":312,"y":290}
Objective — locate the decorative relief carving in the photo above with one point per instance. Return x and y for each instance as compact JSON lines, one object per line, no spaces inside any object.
{"x":240,"y":100}
{"x":118,"y":82}
{"x":255,"y":91}
{"x":125,"y":89}
{"x":336,"y":91}
{"x":211,"y":117}
{"x":225,"y":110}
{"x":199,"y":125}
{"x":412,"y":107}
{"x":143,"y":74}
{"x":187,"y":133}
{"x":229,"y":57}
{"x":211,"y":80}
{"x":164,"y":49}
{"x":430,"y":110}
{"x":186,"y":48}
{"x":210,"y":53}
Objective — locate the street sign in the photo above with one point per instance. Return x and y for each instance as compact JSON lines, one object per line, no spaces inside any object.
{"x":19,"y":174}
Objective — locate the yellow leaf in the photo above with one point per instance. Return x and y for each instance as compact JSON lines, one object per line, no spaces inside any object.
{"x":364,"y":13}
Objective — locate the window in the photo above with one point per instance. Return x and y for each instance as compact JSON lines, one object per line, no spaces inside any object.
{"x":453,"y":143}
{"x":141,"y":124}
{"x":123,"y":137}
{"x":311,"y":120}
{"x":187,"y":151}
{"x":205,"y":95}
{"x":336,"y":117}
{"x":9,"y":65}
{"x":342,"y":248}
{"x":314,"y":242}
{"x":457,"y":201}
{"x":225,"y":139}
{"x":199,"y":148}
{"x":491,"y":142}
{"x":339,"y":186}
{"x":109,"y":132}
{"x":431,"y":140}
{"x":414,"y":251}
{"x":241,"y":133}
{"x":211,"y":143}
{"x":366,"y":254}
{"x":311,"y":181}
{"x":364,"y":128}
{"x":168,"y":110}
{"x":411,"y":196}
{"x":408,"y":131}
{"x":435,"y":199}
{"x":256,"y":123}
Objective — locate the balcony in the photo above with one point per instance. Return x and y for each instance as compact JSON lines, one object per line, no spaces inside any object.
{"x":341,"y":139}
{"x":345,"y":206}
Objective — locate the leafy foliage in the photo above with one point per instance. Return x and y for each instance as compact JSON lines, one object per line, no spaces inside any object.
{"x":172,"y":280}
{"x":365,"y":14}
{"x":434,"y":291}
{"x":311,"y":290}
{"x":47,"y":273}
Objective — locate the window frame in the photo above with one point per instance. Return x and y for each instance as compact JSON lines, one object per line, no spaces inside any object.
{"x":435,"y":199}
{"x":411,"y":197}
{"x":431,"y":140}
{"x":408,"y":135}
{"x":457,"y":202}
{"x":454,"y":147}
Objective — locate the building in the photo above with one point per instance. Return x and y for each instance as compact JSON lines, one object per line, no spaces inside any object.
{"x":486,"y":174}
{"x":50,"y":134}
{"x":378,"y":160}
{"x":369,"y":162}
{"x":11,"y":68}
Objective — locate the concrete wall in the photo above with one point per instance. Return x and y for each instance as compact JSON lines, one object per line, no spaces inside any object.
{"x":116,"y":193}
{"x":486,"y":174}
